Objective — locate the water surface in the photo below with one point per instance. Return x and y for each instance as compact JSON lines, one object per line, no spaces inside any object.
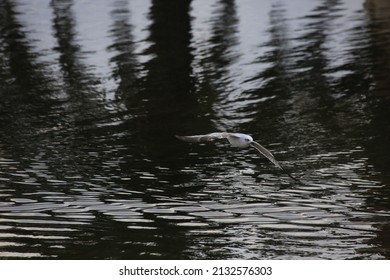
{"x":93,"y":92}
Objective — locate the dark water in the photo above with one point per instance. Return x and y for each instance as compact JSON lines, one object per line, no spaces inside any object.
{"x":93,"y":92}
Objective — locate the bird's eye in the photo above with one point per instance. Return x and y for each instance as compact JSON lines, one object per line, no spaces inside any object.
{"x":246,"y":139}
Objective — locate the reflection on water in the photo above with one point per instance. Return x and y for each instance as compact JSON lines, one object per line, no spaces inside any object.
{"x":90,"y":167}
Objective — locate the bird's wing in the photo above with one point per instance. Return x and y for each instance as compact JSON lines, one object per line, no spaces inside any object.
{"x":270,"y":156}
{"x":204,"y":138}
{"x":266,"y":153}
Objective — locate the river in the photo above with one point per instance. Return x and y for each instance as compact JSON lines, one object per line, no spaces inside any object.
{"x":92,"y":94}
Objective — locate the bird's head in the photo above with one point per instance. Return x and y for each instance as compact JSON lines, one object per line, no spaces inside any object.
{"x":247,"y":139}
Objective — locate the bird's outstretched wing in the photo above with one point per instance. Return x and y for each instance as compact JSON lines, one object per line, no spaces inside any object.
{"x":265,"y":153}
{"x":270,"y":156}
{"x":204,"y":138}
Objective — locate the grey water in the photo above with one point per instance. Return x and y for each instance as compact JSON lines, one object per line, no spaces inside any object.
{"x":92,"y":94}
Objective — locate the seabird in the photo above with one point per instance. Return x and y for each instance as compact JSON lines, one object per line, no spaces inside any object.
{"x":239,"y":140}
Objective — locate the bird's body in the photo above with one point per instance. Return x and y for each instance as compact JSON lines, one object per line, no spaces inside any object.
{"x":239,"y":140}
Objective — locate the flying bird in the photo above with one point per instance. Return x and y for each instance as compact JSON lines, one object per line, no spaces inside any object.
{"x":239,"y":140}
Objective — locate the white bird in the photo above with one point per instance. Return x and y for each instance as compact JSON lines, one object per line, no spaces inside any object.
{"x":239,"y":140}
